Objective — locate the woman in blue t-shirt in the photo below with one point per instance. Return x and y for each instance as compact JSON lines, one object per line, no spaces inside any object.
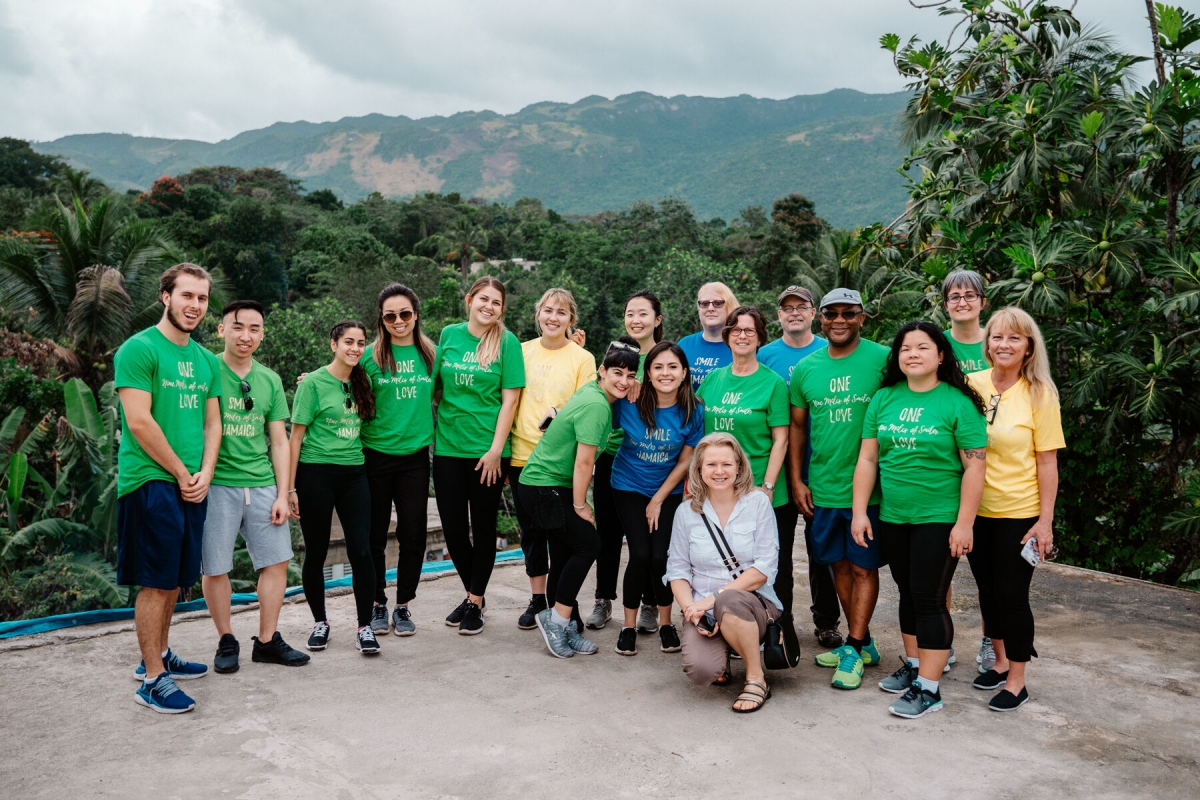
{"x":661,"y":429}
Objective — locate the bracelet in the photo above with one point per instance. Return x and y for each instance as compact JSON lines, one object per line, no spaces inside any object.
{"x":292,"y":491}
{"x":582,"y":506}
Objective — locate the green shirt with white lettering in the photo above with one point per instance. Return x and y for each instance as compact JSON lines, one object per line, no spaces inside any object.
{"x":180,"y":381}
{"x":585,"y":419}
{"x":333,"y":429}
{"x":748,"y":407}
{"x":403,"y":421}
{"x":836,"y":392}
{"x":614,"y":438}
{"x":969,"y":356}
{"x":471,"y":395}
{"x":245,"y":458}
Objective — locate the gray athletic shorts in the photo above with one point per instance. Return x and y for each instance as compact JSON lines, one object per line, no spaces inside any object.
{"x":233,"y":510}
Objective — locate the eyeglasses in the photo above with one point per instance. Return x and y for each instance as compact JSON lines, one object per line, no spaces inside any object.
{"x":349,"y":397}
{"x":747,"y":332}
{"x":795,"y":309}
{"x":992,"y":409}
{"x":247,"y":400}
{"x":831,"y":315}
{"x":622,"y":346}
{"x":711,"y":303}
{"x":955,"y":299}
{"x":390,"y":317}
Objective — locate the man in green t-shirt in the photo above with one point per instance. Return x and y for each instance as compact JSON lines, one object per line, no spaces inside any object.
{"x":832,"y":389}
{"x":170,"y":435}
{"x":249,"y":492}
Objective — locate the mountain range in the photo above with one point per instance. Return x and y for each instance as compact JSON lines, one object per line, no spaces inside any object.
{"x":719,"y":154}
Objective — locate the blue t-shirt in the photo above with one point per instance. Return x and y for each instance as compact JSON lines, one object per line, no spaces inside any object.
{"x":646,"y":457}
{"x":782,"y":358}
{"x":704,"y":356}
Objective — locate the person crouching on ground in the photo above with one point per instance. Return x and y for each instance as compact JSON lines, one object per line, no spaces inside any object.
{"x":726,"y":599}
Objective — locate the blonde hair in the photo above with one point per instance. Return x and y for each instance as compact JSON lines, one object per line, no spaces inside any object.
{"x":1036,"y":368}
{"x":561,"y":296}
{"x":743,"y":483}
{"x":724,"y":292}
{"x":488,"y":349}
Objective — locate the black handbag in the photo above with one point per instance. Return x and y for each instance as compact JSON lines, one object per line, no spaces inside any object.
{"x":781,"y":646}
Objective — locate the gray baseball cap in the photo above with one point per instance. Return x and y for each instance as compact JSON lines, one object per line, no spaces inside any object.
{"x":847,"y":296}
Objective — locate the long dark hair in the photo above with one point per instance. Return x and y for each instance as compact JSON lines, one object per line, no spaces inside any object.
{"x":627,"y":357}
{"x":382,"y":350}
{"x":948,"y":371}
{"x":360,"y":382}
{"x":647,"y":401}
{"x":655,"y":304}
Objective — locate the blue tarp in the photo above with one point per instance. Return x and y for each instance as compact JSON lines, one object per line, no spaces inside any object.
{"x":26,"y":627}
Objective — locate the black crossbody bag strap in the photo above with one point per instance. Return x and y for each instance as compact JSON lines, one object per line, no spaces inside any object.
{"x":723,"y":549}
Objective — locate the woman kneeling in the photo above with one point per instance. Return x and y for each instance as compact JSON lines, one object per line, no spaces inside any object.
{"x":721,"y":568}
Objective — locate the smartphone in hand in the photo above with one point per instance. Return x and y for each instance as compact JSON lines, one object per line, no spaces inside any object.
{"x":707,"y":623}
{"x":546,"y":420}
{"x":1030,"y":552}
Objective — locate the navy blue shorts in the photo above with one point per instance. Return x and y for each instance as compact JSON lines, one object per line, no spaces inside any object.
{"x":832,"y":541}
{"x":159,"y":537}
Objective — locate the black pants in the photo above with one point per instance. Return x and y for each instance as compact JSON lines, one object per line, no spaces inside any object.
{"x":574,"y":543}
{"x":321,"y":488}
{"x":1003,"y":578}
{"x":404,"y":481}
{"x":786,"y":517}
{"x":921,"y":564}
{"x":533,"y":541}
{"x":608,"y":525}
{"x":826,"y":608}
{"x":468,"y":510}
{"x":647,"y":549}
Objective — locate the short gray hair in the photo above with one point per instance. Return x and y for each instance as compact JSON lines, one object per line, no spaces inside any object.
{"x":966,"y":278}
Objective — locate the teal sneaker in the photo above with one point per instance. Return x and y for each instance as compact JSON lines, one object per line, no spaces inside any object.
{"x":577,"y":642}
{"x":848,"y":674}
{"x":916,"y":703}
{"x":899,"y":681}
{"x":163,"y":696}
{"x":554,"y":634}
{"x":870,"y":653}
{"x":830,"y":659}
{"x":949,"y":661}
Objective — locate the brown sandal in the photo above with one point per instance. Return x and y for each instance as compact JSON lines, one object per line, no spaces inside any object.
{"x":758,"y":696}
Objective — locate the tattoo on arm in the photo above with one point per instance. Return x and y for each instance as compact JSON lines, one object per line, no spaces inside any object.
{"x":980,"y":453}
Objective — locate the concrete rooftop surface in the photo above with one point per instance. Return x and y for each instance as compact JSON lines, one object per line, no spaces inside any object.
{"x":1114,"y":712}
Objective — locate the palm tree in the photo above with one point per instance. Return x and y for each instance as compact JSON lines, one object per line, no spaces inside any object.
{"x":468,"y":243}
{"x":72,"y":183}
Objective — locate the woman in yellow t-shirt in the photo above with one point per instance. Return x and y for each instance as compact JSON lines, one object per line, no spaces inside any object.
{"x":556,"y":366}
{"x":1024,"y":435}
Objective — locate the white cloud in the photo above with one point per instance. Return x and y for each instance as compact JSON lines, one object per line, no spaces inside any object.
{"x":208,"y":69}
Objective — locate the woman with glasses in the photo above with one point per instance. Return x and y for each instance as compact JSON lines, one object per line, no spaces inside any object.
{"x":396,"y":448}
{"x":327,"y":472}
{"x":706,"y":349}
{"x":478,"y":372}
{"x":925,"y":437}
{"x":1024,"y":434}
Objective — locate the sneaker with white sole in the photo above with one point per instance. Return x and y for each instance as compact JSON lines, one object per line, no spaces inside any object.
{"x":402,"y":624}
{"x":319,"y":638}
{"x":986,"y":657}
{"x":528,"y":620}
{"x":601,"y":614}
{"x":950,"y":662}
{"x":577,"y":642}
{"x":916,"y":702}
{"x":626,"y":642}
{"x":554,"y":635}
{"x":472,"y":621}
{"x":900,"y":680}
{"x":668,"y":637}
{"x":647,"y":621}
{"x":366,"y":642}
{"x":176,"y":667}
{"x":455,"y":617}
{"x":163,"y":696}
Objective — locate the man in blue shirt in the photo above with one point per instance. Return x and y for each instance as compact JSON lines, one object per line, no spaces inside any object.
{"x":796,"y":313}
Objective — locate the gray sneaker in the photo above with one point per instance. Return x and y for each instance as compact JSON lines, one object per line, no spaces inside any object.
{"x":950,"y":661}
{"x":577,"y":642}
{"x":402,"y":624}
{"x":379,"y":618}
{"x":899,"y":681}
{"x":555,"y":635}
{"x":916,"y":703}
{"x":986,"y":658}
{"x":600,"y":615}
{"x":647,"y":621}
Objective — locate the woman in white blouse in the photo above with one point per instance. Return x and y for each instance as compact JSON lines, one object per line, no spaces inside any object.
{"x":724,"y":609}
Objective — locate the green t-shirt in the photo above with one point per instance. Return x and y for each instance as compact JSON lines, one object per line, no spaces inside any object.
{"x":585,"y":419}
{"x":970,"y":356}
{"x":614,"y":439}
{"x":748,"y":407}
{"x":403,"y":421}
{"x":471,"y":395}
{"x":181,"y":381}
{"x":920,"y":434}
{"x":245,"y":459}
{"x":333,"y":430}
{"x":836,"y":392}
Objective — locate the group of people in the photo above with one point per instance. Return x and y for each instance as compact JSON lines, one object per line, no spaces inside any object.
{"x":700,"y":455}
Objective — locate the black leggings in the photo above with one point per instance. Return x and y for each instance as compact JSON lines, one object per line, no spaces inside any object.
{"x":468,"y":510}
{"x":533,"y":542}
{"x":320,"y":488}
{"x":574,"y":543}
{"x":1003,"y":578}
{"x":786,"y":517}
{"x":608,"y":525}
{"x":647,"y":550}
{"x":921,"y":564}
{"x":403,"y":480}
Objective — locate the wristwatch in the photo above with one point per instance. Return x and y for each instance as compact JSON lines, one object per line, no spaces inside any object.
{"x":768,"y":485}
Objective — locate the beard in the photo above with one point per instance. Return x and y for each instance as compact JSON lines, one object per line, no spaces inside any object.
{"x":178,"y":322}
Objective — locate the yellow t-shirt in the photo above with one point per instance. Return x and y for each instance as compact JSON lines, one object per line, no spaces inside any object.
{"x":1017,"y":432}
{"x":551,"y":378}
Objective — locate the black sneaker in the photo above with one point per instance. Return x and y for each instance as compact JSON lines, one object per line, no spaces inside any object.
{"x":472,"y":621}
{"x":226,"y":660}
{"x":829,"y":638}
{"x":990,"y":680}
{"x":1007,"y":701}
{"x":627,"y":642}
{"x":456,"y":616}
{"x":319,"y":638}
{"x":528,"y":620}
{"x":670,"y":639}
{"x":366,"y":642}
{"x":277,"y":651}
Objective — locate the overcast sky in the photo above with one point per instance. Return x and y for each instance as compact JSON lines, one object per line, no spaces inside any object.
{"x":208,"y":69}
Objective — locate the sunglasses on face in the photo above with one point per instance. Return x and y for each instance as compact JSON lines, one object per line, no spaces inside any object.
{"x":390,"y":317}
{"x":622,"y":346}
{"x":711,"y":303}
{"x":955,"y":299}
{"x":831,"y":315}
{"x":247,"y":400}
{"x":349,"y":398}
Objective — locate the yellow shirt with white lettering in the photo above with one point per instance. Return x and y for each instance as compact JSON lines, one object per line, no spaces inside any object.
{"x":551,"y":378}
{"x":1016,"y":433}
